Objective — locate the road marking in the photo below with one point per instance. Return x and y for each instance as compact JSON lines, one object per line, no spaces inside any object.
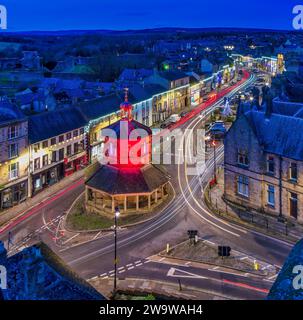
{"x":71,"y":238}
{"x":139,"y":261}
{"x":130,"y":268}
{"x":97,"y":235}
{"x":129,"y":265}
{"x":171,"y":273}
{"x":103,"y":274}
{"x":122,"y":271}
{"x":139,"y":264}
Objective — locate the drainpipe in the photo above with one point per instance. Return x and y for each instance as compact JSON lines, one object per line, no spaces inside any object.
{"x":280,"y":218}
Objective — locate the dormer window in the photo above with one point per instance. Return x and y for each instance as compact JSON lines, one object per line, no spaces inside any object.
{"x":243,"y":157}
{"x":293,"y":171}
{"x":271,"y":165}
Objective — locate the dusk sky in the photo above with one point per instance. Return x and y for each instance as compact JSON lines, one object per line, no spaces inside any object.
{"x":24,"y":15}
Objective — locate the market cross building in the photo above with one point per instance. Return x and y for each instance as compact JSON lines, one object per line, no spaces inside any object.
{"x":132,"y":186}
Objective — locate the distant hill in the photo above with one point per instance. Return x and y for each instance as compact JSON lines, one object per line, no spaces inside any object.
{"x":153,"y":30}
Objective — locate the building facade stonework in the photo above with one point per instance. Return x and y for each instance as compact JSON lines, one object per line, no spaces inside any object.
{"x":256,"y":175}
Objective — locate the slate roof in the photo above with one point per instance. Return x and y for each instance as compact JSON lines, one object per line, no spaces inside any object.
{"x":9,"y":113}
{"x":135,"y":74}
{"x":173,"y":75}
{"x":127,"y":181}
{"x":51,"y":278}
{"x":53,"y":123}
{"x":138,"y":93}
{"x":100,"y":107}
{"x":278,"y":134}
{"x":283,"y":288}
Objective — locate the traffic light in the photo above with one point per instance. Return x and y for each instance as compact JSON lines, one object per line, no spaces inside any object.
{"x":224,"y":251}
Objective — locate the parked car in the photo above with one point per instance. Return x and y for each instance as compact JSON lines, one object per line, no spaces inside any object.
{"x":174,"y":118}
{"x":217,"y":130}
{"x":183,"y":114}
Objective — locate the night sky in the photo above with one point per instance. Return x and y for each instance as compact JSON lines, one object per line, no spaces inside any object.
{"x":25,"y":15}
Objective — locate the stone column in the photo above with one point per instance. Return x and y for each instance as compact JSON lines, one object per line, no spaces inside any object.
{"x":156,"y":196}
{"x":125,"y":203}
{"x":137,"y":203}
{"x":149,"y":202}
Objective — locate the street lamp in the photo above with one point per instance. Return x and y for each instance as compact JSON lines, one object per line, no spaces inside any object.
{"x":215,"y":165}
{"x":117,"y":214}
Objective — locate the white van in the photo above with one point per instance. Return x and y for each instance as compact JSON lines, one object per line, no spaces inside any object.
{"x":174,"y":118}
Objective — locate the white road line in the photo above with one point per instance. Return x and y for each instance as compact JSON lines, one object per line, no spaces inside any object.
{"x":103,"y":274}
{"x":122,"y":271}
{"x":130,"y":268}
{"x":138,"y":261}
{"x":71,"y":238}
{"x":139,"y":264}
{"x":129,"y":265}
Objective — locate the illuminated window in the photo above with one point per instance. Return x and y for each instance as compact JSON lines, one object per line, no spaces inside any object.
{"x":61,"y":138}
{"x":13,"y":150}
{"x":45,"y":160}
{"x":53,"y":141}
{"x":13,"y":170}
{"x":68,"y":136}
{"x":37,"y":164}
{"x":75,"y":133}
{"x":45,"y":144}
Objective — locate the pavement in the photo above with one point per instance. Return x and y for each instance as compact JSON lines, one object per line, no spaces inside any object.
{"x":291,"y":231}
{"x":143,"y":287}
{"x":17,"y":211}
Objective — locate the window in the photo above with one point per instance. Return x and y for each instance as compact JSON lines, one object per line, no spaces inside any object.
{"x":45,"y":144}
{"x":54,"y":156}
{"x":293,"y":171}
{"x":13,"y":170}
{"x":81,"y":130}
{"x":12,"y":132}
{"x":271,"y":165}
{"x":37,"y":164}
{"x":68,"y":150}
{"x":271,"y":195}
{"x":242,"y":157}
{"x":75,"y":133}
{"x":76,"y":147}
{"x":68,"y":136}
{"x":61,"y":154}
{"x":13,"y":150}
{"x":242,"y":185}
{"x":36,"y":147}
{"x":53,"y":141}
{"x":61,"y":138}
{"x":81,"y":145}
{"x":45,"y":160}
{"x":293,"y":205}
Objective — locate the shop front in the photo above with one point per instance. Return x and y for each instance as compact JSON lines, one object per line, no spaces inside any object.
{"x":47,"y":177}
{"x":75,"y":163}
{"x":14,"y":194}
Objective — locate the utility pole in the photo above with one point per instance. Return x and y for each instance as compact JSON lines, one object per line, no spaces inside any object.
{"x":215,"y":161}
{"x":117,"y":214}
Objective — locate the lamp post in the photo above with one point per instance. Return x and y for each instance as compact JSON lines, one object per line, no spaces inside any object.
{"x":215,"y":164}
{"x":117,"y":214}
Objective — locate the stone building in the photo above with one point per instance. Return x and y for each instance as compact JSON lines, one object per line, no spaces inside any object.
{"x":14,"y":159}
{"x":264,"y":163}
